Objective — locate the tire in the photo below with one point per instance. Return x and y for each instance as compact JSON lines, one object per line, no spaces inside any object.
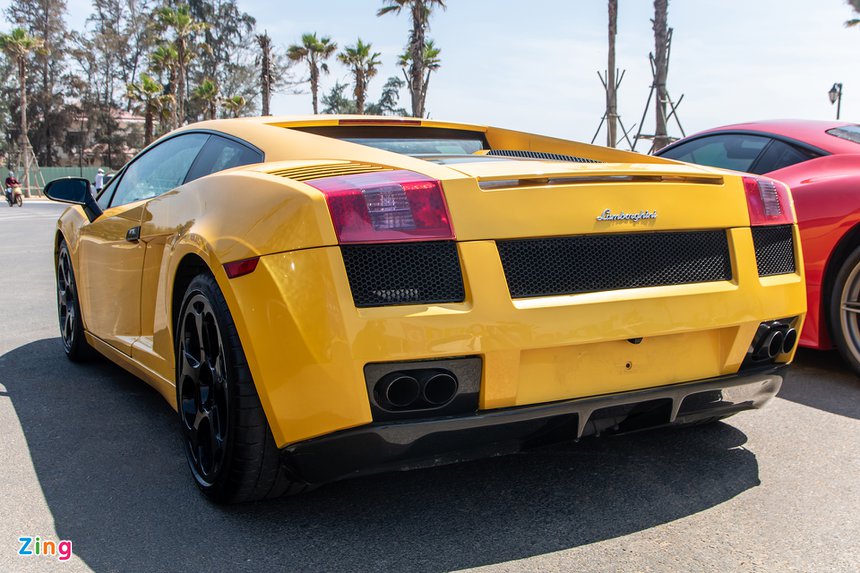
{"x":226,"y":438}
{"x":844,"y":310}
{"x":69,"y":310}
{"x":19,"y":200}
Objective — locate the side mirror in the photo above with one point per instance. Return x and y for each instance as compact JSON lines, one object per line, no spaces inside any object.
{"x":76,"y":191}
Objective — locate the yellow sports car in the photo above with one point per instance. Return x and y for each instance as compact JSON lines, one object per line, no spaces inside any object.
{"x":324,"y":297}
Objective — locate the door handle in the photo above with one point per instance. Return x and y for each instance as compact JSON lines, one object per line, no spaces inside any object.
{"x":133,"y":234}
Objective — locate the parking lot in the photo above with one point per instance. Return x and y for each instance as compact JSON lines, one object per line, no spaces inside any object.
{"x":92,"y":455}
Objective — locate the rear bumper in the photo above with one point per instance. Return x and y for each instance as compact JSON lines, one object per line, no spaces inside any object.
{"x":411,"y":444}
{"x":307,"y":344}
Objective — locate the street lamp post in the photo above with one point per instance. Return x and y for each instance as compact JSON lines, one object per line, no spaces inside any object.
{"x":835,"y":94}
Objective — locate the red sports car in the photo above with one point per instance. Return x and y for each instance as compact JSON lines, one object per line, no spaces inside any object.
{"x":820,"y":161}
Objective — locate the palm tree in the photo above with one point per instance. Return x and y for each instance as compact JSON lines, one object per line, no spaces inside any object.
{"x":432,"y":62}
{"x":314,"y":51}
{"x":363,"y":63}
{"x":207,"y":92}
{"x":18,"y":45}
{"x":185,"y":28}
{"x":148,"y":92}
{"x":163,"y":61}
{"x":420,"y":11}
{"x":234,"y":104}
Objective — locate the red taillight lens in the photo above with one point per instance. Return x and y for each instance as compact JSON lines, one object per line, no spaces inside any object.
{"x":386,"y":206}
{"x":768,"y":202}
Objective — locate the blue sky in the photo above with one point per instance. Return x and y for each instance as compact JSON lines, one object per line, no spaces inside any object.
{"x":532,"y":65}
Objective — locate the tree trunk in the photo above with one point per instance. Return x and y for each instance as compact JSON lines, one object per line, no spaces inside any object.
{"x":266,"y":71}
{"x":360,"y":93}
{"x":180,"y":83}
{"x":22,"y":82}
{"x":661,"y":67}
{"x":611,"y":95}
{"x":416,"y":72}
{"x":147,"y":126}
{"x":315,"y":86}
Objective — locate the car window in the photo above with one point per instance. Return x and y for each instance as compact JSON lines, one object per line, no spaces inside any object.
{"x":728,"y":151}
{"x":848,"y":132}
{"x":159,"y":170}
{"x":106,"y":194}
{"x":219,"y":154}
{"x":780,"y":154}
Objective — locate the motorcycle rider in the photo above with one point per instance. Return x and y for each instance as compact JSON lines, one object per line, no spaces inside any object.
{"x":10,"y":185}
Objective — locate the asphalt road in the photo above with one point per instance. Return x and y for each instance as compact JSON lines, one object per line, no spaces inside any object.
{"x":92,"y":455}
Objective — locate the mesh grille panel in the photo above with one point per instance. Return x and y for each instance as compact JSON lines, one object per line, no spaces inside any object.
{"x":405,"y":273}
{"x":774,"y":250}
{"x":540,"y":155}
{"x":568,"y":265}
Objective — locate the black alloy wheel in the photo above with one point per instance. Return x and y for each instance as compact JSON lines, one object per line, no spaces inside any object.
{"x":230,"y":449}
{"x":204,"y":403}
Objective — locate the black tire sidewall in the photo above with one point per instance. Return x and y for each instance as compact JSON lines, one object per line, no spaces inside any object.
{"x":835,"y":310}
{"x":79,"y":350}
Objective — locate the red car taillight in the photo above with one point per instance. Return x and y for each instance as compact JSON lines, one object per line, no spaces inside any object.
{"x":768,"y":202}
{"x":386,"y":206}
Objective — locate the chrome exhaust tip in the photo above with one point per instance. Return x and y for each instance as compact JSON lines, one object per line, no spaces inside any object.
{"x":440,"y":388}
{"x":400,"y":391}
{"x":773,"y":343}
{"x":790,"y":341}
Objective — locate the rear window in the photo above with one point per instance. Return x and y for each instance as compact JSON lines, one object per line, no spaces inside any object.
{"x":849,"y":132}
{"x":408,"y":146}
{"x":406,"y":140}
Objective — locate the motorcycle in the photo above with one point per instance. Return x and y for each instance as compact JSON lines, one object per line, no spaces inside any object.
{"x":14,"y":196}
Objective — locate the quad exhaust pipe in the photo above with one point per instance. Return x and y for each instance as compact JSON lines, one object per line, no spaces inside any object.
{"x":773,"y":339}
{"x":423,"y":389}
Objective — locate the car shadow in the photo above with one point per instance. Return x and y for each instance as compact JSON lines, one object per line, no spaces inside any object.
{"x":106,"y":451}
{"x":821,"y":379}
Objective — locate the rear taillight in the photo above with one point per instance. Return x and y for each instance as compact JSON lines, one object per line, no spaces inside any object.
{"x":386,"y":206}
{"x":768,"y":202}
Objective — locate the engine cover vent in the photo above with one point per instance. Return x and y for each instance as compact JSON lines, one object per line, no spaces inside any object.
{"x":540,"y":155}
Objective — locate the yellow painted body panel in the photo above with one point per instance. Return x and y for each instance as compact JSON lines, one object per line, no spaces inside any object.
{"x":306,"y":342}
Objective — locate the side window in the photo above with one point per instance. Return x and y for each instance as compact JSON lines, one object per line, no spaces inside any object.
{"x":219,"y":154}
{"x":780,"y":154}
{"x":159,"y":170}
{"x":727,"y":151}
{"x":106,"y":194}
